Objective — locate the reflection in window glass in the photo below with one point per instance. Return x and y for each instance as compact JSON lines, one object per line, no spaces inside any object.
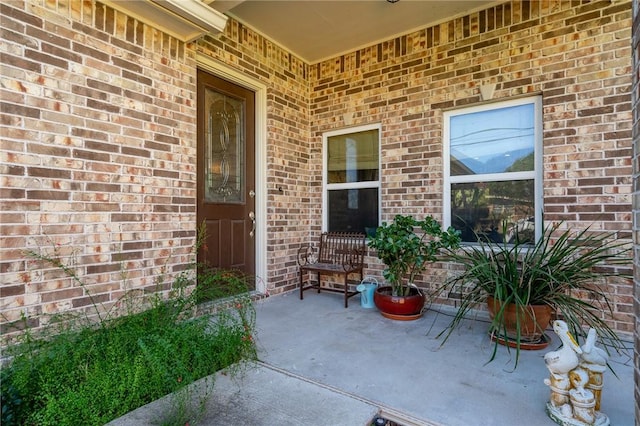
{"x":493,"y":170}
{"x":353,"y":157}
{"x":492,"y":141}
{"x":347,"y":216}
{"x":498,"y":211}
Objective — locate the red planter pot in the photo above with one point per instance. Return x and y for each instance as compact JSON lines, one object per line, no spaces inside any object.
{"x":403,"y":308}
{"x":533,"y":321}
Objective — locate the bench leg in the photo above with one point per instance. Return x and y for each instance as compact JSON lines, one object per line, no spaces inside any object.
{"x":346,"y":287}
{"x":346,"y":290}
{"x":301,"y":285}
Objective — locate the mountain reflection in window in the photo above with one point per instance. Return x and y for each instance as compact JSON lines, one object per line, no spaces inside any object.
{"x":493,"y":141}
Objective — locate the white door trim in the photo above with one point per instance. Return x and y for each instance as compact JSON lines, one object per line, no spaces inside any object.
{"x":223,"y":71}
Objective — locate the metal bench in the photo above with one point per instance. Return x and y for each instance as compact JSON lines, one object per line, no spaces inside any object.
{"x":340,"y":253}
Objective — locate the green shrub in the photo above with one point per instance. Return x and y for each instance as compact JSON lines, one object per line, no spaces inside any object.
{"x":215,"y":284}
{"x":89,"y":374}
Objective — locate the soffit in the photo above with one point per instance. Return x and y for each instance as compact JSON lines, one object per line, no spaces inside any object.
{"x":317,"y":30}
{"x":184,"y":19}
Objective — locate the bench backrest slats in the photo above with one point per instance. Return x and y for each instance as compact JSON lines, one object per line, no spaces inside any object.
{"x":334,"y":246}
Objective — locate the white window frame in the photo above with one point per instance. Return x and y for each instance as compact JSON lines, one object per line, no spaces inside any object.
{"x":326,"y":187}
{"x":536,"y":174}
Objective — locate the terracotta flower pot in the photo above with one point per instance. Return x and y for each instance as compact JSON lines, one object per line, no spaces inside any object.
{"x":398,"y":307}
{"x":534,"y":319}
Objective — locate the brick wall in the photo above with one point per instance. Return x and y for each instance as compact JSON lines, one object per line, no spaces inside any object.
{"x":635,"y":100}
{"x":98,"y":136}
{"x":575,"y":54}
{"x":98,"y":154}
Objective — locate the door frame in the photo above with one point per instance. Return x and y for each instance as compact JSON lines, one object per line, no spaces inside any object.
{"x":223,"y":71}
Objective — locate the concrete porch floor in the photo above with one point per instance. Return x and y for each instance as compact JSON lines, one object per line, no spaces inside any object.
{"x":401,"y":367}
{"x":323,"y":365}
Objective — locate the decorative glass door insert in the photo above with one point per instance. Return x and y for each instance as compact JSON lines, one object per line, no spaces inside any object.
{"x":224,"y":148}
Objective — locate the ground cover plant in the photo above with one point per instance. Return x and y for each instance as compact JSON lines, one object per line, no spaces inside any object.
{"x":88,"y":373}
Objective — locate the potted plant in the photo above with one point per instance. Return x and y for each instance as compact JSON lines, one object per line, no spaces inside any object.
{"x":406,"y":246}
{"x":561,"y":274}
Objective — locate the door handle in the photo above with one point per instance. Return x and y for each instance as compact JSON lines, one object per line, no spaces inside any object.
{"x":252,"y":217}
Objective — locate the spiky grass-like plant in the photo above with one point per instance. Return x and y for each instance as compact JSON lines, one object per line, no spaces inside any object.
{"x":564,"y":270}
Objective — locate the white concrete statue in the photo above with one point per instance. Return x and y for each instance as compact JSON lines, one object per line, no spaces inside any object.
{"x":575,"y":380}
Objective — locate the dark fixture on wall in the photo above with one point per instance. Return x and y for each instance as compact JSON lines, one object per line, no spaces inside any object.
{"x":393,"y":1}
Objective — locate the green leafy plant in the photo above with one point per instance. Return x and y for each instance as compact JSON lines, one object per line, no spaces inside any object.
{"x":407,"y":245}
{"x":564,"y":270}
{"x":88,"y":371}
{"x":216,"y":283}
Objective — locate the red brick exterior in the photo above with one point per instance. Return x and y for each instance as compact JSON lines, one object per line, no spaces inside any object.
{"x":98,"y":136}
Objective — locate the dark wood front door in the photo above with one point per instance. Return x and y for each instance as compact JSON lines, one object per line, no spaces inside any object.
{"x":226,"y":173}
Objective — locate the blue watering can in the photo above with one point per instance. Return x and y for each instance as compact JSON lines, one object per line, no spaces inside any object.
{"x":366,"y":288}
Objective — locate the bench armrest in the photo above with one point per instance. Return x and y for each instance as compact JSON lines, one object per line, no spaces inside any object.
{"x":305,"y":254}
{"x":352,"y":259}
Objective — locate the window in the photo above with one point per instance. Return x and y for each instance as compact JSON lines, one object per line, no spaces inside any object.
{"x":493,"y":170}
{"x":351,"y":179}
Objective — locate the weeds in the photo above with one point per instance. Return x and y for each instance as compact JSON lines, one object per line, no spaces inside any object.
{"x":188,"y":405}
{"x":215,"y":284}
{"x":87,"y":373}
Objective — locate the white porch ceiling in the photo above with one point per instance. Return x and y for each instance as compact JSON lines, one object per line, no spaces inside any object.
{"x":315,"y":30}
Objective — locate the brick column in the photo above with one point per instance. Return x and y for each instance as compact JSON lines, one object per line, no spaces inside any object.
{"x":635,"y":99}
